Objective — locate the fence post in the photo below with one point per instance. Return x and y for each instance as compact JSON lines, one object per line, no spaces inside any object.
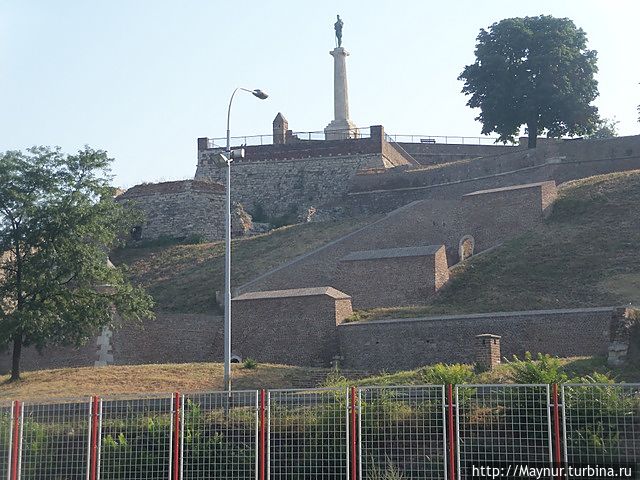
{"x":176,"y":437}
{"x":15,"y":439}
{"x":452,"y":439}
{"x":556,"y":432}
{"x":263,"y":431}
{"x":354,"y":434}
{"x":93,"y":440}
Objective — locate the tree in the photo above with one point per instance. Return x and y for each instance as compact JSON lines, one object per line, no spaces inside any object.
{"x":58,"y":221}
{"x":533,"y":71}
{"x":605,"y":128}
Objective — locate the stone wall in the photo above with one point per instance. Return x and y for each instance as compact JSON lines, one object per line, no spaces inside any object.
{"x":180,"y":209}
{"x":435,"y":153}
{"x":378,"y":201}
{"x":494,"y":215}
{"x":292,"y":186}
{"x":382,"y":191}
{"x":179,"y":338}
{"x":296,"y":327}
{"x":410,"y":343}
{"x":489,"y":217}
{"x":289,"y":178}
{"x":392,"y":277}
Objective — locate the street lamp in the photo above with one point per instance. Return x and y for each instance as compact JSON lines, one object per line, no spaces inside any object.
{"x":224,"y":161}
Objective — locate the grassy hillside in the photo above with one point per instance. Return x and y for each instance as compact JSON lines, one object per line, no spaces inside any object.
{"x":586,"y":254}
{"x":137,"y":379}
{"x":183,"y":278}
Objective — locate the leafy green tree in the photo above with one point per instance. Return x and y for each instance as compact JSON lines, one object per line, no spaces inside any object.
{"x":58,"y":221}
{"x":605,"y":129}
{"x":533,"y":71}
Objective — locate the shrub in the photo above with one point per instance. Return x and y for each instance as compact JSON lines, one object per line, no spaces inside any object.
{"x":441,"y":373}
{"x":545,"y":369}
{"x":249,"y":363}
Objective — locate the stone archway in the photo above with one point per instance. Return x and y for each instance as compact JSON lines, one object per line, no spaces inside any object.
{"x":466,"y":247}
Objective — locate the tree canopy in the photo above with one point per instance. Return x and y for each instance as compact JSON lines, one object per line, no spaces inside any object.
{"x":533,"y":71}
{"x":58,"y":221}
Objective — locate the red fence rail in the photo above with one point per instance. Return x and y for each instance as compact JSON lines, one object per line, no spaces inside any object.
{"x":410,"y":432}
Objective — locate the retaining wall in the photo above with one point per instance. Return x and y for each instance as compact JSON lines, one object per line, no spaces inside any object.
{"x":410,"y":343}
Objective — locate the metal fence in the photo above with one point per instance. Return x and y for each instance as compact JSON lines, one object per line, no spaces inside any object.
{"x":601,"y":423}
{"x":219,"y":436}
{"x":55,"y":440}
{"x":502,"y":424}
{"x":308,"y":434}
{"x":402,"y":432}
{"x":6,"y":422}
{"x":136,"y":438}
{"x":370,"y":433}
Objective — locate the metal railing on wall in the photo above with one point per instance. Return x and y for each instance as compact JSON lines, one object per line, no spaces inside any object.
{"x":409,"y":432}
{"x":267,"y":139}
{"x":357,"y":132}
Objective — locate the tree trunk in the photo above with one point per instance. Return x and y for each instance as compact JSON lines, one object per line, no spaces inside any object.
{"x":15,"y":360}
{"x":532,"y":128}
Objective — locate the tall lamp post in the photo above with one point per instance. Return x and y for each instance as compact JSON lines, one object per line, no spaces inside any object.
{"x":224,"y":160}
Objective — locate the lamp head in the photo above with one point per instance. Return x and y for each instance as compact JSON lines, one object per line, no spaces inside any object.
{"x":259,"y":93}
{"x":220,"y":160}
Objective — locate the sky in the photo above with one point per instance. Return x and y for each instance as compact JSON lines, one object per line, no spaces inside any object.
{"x":144,"y":79}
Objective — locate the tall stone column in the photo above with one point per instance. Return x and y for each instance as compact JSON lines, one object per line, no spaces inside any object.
{"x":341,"y":127}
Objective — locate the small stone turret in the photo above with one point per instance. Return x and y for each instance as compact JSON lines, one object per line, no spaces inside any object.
{"x":280,"y":127}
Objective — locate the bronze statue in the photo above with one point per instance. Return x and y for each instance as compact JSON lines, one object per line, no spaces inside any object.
{"x":338,"y":26}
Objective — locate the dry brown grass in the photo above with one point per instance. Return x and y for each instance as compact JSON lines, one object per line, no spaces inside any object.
{"x":121,"y":380}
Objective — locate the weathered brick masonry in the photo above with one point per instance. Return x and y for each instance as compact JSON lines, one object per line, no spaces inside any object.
{"x":394,"y":276}
{"x":178,"y":338}
{"x":489,"y":217}
{"x":296,"y":326}
{"x":410,"y":343}
{"x":561,"y":161}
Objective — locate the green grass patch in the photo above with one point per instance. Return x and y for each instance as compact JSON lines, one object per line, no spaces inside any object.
{"x":183,"y":278}
{"x":585,"y":255}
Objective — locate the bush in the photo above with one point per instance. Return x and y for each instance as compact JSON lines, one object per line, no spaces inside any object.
{"x":249,"y":364}
{"x":544,"y":370}
{"x":442,"y":374}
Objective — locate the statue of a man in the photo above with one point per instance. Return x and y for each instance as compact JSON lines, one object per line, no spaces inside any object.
{"x":338,"y":26}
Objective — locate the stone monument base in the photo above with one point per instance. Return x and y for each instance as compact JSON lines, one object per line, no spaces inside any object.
{"x":340,"y":130}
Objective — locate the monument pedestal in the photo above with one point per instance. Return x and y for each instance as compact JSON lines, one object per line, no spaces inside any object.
{"x":341,"y":127}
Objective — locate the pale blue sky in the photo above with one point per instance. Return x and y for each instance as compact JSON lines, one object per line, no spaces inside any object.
{"x":144,"y":79}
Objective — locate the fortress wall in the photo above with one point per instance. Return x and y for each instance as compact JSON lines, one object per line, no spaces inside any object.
{"x":435,"y":153}
{"x":410,"y":343}
{"x":170,"y":338}
{"x":179,"y":338}
{"x":294,"y":327}
{"x":392,"y":277}
{"x":179,"y":209}
{"x":290,"y":186}
{"x":606,"y":154}
{"x":55,"y":357}
{"x":491,"y":218}
{"x":409,"y":226}
{"x":377,"y":201}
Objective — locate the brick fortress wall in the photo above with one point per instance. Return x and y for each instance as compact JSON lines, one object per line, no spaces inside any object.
{"x":292,"y":177}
